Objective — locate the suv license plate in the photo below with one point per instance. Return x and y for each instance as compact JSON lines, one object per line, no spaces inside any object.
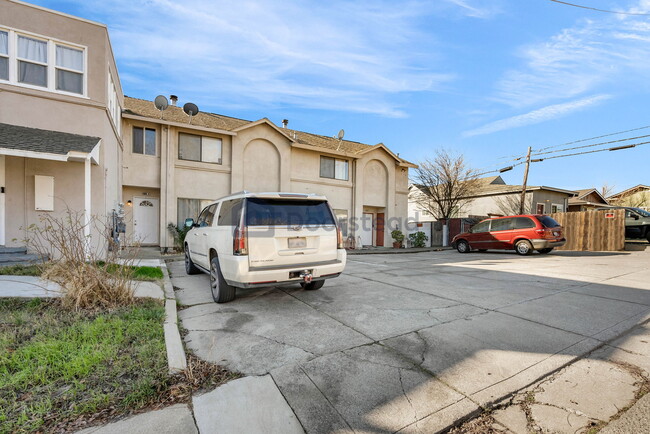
{"x":297,"y":243}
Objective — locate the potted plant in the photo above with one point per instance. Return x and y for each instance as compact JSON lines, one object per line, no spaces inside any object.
{"x":398,"y":236}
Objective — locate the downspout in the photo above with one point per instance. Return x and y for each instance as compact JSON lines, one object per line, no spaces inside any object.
{"x":354,"y":194}
{"x":87,"y":204}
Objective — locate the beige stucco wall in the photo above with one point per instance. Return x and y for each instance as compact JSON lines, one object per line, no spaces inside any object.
{"x":49,"y":110}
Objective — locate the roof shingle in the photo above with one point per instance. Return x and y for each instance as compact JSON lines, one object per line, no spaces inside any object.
{"x":37,"y":140}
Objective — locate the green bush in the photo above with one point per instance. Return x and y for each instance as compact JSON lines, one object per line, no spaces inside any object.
{"x":397,"y":235}
{"x":179,"y":234}
{"x":418,"y":239}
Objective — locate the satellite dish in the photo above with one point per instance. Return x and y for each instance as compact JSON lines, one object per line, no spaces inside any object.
{"x":190,"y":109}
{"x":161,"y":102}
{"x":341,"y":134}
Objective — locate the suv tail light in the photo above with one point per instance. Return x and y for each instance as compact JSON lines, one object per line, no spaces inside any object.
{"x":240,"y":237}
{"x":541,"y":232}
{"x":339,"y":238}
{"x":240,"y":242}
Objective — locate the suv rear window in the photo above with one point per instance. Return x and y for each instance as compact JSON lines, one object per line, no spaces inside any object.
{"x":282,"y":212}
{"x":548,"y":222}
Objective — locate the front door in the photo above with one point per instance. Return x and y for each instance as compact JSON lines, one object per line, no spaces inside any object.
{"x":379,"y":229}
{"x":366,"y":229}
{"x":2,"y":200}
{"x":145,"y":220}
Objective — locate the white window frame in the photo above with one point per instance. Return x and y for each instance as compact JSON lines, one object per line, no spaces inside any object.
{"x":113,"y":103}
{"x":144,"y":141}
{"x":200,"y":160}
{"x":7,"y":56}
{"x":340,"y":160}
{"x":558,"y":207}
{"x":51,"y":62}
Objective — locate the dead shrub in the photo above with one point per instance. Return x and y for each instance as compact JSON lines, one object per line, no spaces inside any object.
{"x":85,"y":266}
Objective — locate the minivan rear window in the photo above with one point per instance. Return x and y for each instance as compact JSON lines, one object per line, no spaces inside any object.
{"x":282,"y":212}
{"x":548,"y":222}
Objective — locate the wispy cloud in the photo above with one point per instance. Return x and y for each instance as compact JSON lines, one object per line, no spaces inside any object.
{"x":537,"y":116}
{"x":578,"y":60}
{"x":470,"y":9}
{"x":345,"y":56}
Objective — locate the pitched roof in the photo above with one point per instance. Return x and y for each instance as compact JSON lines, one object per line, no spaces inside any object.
{"x":45,"y":141}
{"x":144,"y":108}
{"x":583,"y":193}
{"x":631,"y":190}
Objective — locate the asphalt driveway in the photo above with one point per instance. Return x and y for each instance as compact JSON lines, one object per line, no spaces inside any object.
{"x":413,"y":342}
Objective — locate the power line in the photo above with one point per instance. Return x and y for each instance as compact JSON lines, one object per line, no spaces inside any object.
{"x":634,"y":145}
{"x":592,"y":145}
{"x":593,"y":138}
{"x":599,"y":10}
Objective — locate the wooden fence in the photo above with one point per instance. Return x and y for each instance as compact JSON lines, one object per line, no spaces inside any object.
{"x":593,"y":230}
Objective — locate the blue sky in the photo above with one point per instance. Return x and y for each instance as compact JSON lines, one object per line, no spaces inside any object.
{"x":483,"y":78}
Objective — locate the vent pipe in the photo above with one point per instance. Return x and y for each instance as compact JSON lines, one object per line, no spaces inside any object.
{"x":173,"y":99}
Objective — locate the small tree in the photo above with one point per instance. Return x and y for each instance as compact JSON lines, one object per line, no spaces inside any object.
{"x":445,"y":184}
{"x":510,"y":204}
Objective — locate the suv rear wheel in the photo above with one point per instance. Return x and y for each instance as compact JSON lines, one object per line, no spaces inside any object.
{"x":312,"y":285}
{"x":523,"y":247}
{"x":190,"y":268}
{"x":221,"y":291}
{"x":462,"y":246}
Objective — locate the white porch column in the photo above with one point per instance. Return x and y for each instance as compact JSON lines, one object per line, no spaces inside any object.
{"x":87,"y":204}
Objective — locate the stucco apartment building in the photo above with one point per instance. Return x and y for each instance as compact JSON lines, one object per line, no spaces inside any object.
{"x":60,"y":99}
{"x":69,"y":138}
{"x":172,"y":168}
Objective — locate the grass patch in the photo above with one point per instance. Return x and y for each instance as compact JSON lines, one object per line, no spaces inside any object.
{"x":21,"y":270}
{"x":137,"y":273}
{"x":61,"y":370}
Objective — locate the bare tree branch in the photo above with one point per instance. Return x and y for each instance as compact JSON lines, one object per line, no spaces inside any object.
{"x":444,"y":185}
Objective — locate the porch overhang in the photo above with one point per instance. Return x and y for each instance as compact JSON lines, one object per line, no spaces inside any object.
{"x":49,"y":145}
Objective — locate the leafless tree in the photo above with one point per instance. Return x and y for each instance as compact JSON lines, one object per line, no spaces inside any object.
{"x":636,"y":200}
{"x":606,"y":190}
{"x":444,"y":184}
{"x":509,"y":204}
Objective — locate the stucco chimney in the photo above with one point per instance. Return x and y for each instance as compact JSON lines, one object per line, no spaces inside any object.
{"x":174,"y":99}
{"x":285,"y":122}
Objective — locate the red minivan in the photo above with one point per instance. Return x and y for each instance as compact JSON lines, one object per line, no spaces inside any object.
{"x":523,"y":233}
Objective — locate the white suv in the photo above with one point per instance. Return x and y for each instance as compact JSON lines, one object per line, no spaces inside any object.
{"x":250,"y":240}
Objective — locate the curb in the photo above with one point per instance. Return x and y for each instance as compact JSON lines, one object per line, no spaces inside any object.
{"x":397,"y":251}
{"x":175,"y":351}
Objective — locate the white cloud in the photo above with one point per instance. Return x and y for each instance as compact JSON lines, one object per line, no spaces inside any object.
{"x":474,"y":11}
{"x":346,"y":56}
{"x":537,"y":116}
{"x":596,"y":52}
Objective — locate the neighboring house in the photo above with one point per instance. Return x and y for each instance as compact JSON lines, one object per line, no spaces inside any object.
{"x":587,"y":199}
{"x":496,"y":198}
{"x":172,"y":169}
{"x":60,"y":143}
{"x":637,"y":196}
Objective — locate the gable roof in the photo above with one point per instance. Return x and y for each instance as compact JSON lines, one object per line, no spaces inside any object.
{"x":631,"y":190}
{"x":44,"y":141}
{"x":146,"y":109}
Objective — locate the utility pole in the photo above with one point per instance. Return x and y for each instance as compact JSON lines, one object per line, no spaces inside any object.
{"x":523,"y":187}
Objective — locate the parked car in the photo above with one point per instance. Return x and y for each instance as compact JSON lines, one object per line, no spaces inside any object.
{"x":250,"y":240}
{"x":637,"y":222}
{"x":523,"y":233}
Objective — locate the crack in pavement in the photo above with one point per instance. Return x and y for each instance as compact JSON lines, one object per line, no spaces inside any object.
{"x":401,"y":382}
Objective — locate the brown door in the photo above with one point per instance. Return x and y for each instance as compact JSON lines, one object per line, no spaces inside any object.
{"x":379,"y":229}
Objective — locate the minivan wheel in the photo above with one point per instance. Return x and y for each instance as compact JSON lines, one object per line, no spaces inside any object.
{"x":190,"y":268}
{"x":523,"y":247}
{"x":221,"y":291}
{"x":462,"y":246}
{"x":311,"y":286}
{"x":546,"y":250}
